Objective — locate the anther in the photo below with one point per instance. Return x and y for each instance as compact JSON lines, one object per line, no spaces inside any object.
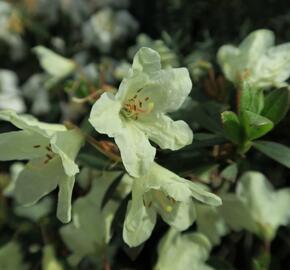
{"x":49,"y":156}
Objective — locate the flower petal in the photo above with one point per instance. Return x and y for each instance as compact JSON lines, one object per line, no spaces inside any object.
{"x":236,"y":61}
{"x":105,"y":115}
{"x":203,"y":196}
{"x":228,"y":58}
{"x":180,"y":189}
{"x":167,"y":89}
{"x":66,"y":185}
{"x":256,"y":44}
{"x":29,"y":123}
{"x":181,"y":217}
{"x":39,"y":178}
{"x":131,"y":84}
{"x":139,"y":221}
{"x":273,"y":68}
{"x":53,"y":63}
{"x":165,"y":132}
{"x":67,"y":144}
{"x":136,"y":151}
{"x":22,"y":145}
{"x":146,"y":60}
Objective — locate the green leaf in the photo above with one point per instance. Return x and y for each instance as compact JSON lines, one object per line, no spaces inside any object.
{"x":276,"y":105}
{"x":255,"y":125}
{"x":276,"y":151}
{"x":252,"y":99}
{"x":232,"y":126}
{"x":205,"y":114}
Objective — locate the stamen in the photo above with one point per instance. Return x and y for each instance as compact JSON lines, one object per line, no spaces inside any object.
{"x":161,"y":199}
{"x":135,"y":106}
{"x":49,"y":156}
{"x":46,"y":161}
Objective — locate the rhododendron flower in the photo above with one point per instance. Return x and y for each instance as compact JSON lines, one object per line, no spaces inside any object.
{"x":138,"y":111}
{"x":51,"y":149}
{"x":165,"y":193}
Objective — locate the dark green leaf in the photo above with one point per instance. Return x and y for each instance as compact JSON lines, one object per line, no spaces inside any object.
{"x":98,"y":162}
{"x":276,"y":151}
{"x":202,"y":140}
{"x":220,"y":264}
{"x":207,"y":116}
{"x":276,"y":105}
{"x":232,"y":127}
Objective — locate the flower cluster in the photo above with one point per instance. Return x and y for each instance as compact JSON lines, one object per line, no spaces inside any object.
{"x":135,"y":115}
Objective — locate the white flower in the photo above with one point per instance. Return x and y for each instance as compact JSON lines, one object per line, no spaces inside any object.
{"x":56,"y":66}
{"x":256,"y":60}
{"x":107,"y":26}
{"x":138,"y":111}
{"x":10,"y":95}
{"x":165,"y":193}
{"x":51,"y":150}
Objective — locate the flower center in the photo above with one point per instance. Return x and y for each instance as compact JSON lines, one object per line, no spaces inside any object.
{"x":166,"y":203}
{"x":136,"y":106}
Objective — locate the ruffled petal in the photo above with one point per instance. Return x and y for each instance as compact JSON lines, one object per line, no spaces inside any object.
{"x":167,"y":89}
{"x":105,"y":115}
{"x":165,"y":132}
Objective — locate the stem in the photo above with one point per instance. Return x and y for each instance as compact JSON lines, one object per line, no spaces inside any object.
{"x":106,"y":263}
{"x":92,"y":141}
